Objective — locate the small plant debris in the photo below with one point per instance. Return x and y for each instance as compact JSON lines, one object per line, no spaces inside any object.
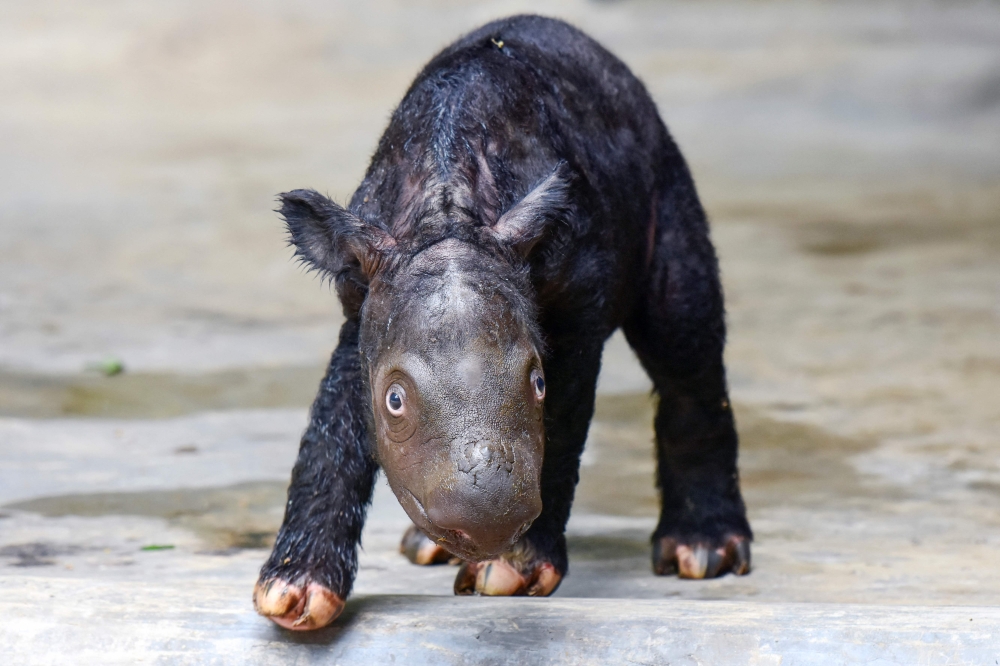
{"x":108,"y":367}
{"x":158,"y":546}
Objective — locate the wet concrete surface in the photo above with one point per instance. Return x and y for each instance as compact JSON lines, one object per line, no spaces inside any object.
{"x":848,"y":156}
{"x":825,"y":531}
{"x":138,"y":395}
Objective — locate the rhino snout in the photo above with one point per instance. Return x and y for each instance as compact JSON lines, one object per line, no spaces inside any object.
{"x":489,"y":502}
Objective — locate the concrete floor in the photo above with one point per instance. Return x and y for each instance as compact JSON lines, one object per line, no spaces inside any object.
{"x":849,"y":155}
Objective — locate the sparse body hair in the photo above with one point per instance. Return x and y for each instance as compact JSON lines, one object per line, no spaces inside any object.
{"x":524,"y":202}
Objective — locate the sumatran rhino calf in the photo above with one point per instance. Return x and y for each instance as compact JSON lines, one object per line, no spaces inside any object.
{"x":525,"y":201}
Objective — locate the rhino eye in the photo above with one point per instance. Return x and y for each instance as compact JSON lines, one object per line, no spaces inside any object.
{"x":538,"y":383}
{"x":394,"y":399}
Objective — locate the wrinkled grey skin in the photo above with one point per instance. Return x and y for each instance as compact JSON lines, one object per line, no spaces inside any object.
{"x":454,"y":340}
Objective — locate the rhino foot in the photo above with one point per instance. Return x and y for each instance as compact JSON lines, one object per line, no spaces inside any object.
{"x":701,"y":559}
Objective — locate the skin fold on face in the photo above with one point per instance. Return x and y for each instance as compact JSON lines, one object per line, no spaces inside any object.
{"x":458,"y":394}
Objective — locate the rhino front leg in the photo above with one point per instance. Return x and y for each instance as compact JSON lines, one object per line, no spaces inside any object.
{"x":311,"y":570}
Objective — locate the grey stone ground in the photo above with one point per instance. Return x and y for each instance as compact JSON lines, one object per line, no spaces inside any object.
{"x":849,"y":155}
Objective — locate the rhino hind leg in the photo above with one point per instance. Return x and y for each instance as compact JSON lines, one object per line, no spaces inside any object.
{"x":678,"y":332}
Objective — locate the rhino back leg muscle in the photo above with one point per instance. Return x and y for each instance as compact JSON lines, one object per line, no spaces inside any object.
{"x":678,"y":332}
{"x":331,"y":488}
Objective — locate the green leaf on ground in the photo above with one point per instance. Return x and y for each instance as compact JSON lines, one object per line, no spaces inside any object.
{"x":108,"y":367}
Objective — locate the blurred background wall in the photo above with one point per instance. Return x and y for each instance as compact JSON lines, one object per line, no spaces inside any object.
{"x":143,"y":144}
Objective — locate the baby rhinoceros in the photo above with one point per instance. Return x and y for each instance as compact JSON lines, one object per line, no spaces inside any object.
{"x":525,"y":202}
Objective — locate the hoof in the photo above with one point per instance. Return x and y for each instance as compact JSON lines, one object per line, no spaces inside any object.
{"x":499,"y":578}
{"x":701,"y":560}
{"x":296,"y":607}
{"x":419,"y":549}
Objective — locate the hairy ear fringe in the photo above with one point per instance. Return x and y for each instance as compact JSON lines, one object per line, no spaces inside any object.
{"x":332,"y":240}
{"x":524,"y":225}
{"x":327,"y":236}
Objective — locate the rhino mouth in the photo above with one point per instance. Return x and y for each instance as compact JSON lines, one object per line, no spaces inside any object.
{"x":458,"y":542}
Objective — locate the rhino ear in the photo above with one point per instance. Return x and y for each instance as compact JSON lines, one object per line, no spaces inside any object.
{"x":331,"y":239}
{"x":523,"y":226}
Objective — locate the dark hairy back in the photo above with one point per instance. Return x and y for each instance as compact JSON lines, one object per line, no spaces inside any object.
{"x":493,"y":114}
